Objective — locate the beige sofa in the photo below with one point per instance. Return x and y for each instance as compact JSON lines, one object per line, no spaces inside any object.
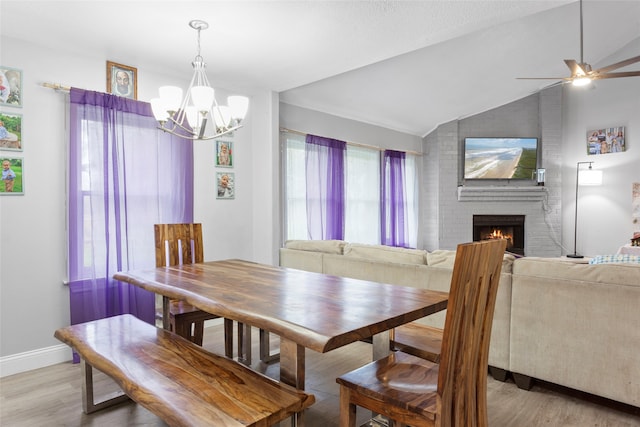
{"x":577,"y":325}
{"x":568,"y":323}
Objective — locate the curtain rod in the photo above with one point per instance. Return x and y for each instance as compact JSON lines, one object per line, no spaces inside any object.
{"x":356,"y":144}
{"x":57,"y":86}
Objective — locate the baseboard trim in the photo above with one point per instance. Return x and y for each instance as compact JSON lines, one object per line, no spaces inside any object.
{"x":29,"y":360}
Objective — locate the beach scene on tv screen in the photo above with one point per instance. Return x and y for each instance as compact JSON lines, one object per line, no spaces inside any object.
{"x":500,"y":158}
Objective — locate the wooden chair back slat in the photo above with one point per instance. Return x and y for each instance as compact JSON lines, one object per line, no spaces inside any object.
{"x":467,"y":333}
{"x":178,"y":244}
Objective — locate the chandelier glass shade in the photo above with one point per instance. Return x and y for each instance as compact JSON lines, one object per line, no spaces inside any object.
{"x":188,"y":115}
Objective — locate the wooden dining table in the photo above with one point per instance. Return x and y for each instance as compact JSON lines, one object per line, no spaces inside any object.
{"x":306,"y":310}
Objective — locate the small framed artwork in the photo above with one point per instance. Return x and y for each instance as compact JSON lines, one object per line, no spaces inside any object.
{"x":122,"y":80}
{"x":224,"y":154}
{"x":226,"y":185}
{"x":605,"y":141}
{"x":10,"y":87}
{"x":12,"y":176}
{"x":10,"y":131}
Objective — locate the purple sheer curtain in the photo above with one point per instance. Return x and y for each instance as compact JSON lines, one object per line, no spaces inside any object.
{"x":325,"y":182}
{"x":393,"y":220}
{"x":124,"y":176}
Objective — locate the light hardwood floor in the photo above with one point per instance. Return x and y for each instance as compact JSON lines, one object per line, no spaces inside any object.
{"x":51,"y":397}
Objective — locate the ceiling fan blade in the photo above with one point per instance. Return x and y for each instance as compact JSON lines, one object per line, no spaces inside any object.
{"x":576,"y":69}
{"x":618,"y":65}
{"x":543,"y":78}
{"x":616,"y":75}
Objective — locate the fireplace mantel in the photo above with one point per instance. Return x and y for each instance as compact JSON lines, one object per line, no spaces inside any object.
{"x":501,"y":194}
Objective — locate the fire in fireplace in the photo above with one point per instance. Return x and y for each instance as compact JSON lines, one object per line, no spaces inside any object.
{"x":508,"y":227}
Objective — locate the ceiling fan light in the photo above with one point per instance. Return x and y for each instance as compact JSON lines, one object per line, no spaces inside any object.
{"x":581,"y":81}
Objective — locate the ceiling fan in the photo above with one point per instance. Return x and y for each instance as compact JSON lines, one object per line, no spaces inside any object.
{"x":582,"y":74}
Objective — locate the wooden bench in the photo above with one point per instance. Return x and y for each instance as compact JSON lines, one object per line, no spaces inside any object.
{"x":177,"y":380}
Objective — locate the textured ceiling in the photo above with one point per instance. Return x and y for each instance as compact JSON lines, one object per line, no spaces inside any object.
{"x":406,"y":65}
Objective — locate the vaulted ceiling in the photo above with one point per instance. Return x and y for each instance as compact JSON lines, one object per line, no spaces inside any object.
{"x":405,"y":65}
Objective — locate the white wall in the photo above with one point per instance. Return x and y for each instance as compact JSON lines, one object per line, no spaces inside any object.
{"x":322,"y":124}
{"x":604,"y":212}
{"x":33,"y":299}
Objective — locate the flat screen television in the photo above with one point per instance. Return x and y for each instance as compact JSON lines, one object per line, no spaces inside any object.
{"x":500,"y":158}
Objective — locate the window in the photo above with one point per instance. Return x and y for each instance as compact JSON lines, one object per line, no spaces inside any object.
{"x":362,"y":193}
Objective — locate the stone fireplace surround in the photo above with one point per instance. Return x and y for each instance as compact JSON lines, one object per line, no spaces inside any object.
{"x":448,"y":203}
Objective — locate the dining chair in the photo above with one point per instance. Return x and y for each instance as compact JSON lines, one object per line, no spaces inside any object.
{"x":410,"y":390}
{"x":178,"y":244}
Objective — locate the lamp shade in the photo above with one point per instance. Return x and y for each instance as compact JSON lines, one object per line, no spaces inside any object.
{"x":239,"y":106}
{"x":222,"y":116}
{"x":159,"y":109}
{"x":193,"y":117}
{"x":202,"y":97}
{"x":171,"y":96}
{"x":590,"y":177}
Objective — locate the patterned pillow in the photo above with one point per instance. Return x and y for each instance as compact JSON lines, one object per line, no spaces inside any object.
{"x":615,"y":259}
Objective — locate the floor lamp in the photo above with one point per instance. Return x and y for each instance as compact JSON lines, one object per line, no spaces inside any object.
{"x":583,"y":177}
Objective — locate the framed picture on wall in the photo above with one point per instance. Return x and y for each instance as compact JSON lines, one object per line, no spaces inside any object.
{"x":122,"y":80}
{"x":224,"y":154}
{"x":10,"y":87}
{"x":10,"y":131}
{"x":226,"y":185}
{"x":12,"y":176}
{"x":606,"y":140}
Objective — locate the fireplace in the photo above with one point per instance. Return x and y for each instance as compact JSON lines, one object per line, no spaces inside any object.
{"x":509,"y":227}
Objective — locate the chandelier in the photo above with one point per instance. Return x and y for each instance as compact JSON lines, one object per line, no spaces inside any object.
{"x":188,"y":117}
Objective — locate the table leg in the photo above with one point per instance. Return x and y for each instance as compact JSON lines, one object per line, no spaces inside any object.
{"x":244,"y":343}
{"x":381,"y":348}
{"x":292,"y":363}
{"x":381,"y":345}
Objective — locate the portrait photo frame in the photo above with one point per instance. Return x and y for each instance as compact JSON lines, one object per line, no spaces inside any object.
{"x":10,"y":87}
{"x":606,"y":141}
{"x":12,"y":177}
{"x":10,"y":131}
{"x":122,"y":80}
{"x":224,"y":154}
{"x":226,"y":185}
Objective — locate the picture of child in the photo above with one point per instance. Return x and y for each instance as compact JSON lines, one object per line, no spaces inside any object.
{"x":225,"y":185}
{"x":10,"y":131}
{"x":224,"y":154}
{"x":8,"y":176}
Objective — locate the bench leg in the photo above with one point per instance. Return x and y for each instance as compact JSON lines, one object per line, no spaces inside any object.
{"x":88,"y":403}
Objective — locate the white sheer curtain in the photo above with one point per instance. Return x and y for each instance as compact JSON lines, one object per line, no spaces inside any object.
{"x":412,"y":200}
{"x":295,"y":188}
{"x":362,"y":222}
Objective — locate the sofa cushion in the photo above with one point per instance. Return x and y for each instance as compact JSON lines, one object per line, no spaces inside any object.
{"x":615,"y":259}
{"x":325,"y":246}
{"x":558,"y":269}
{"x":386,"y":253}
{"x":441,"y":258}
{"x":446,"y":259}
